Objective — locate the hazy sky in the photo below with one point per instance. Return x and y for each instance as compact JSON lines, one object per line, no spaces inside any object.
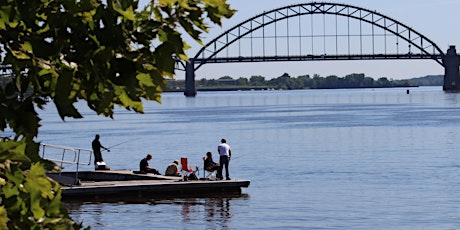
{"x":438,"y":20}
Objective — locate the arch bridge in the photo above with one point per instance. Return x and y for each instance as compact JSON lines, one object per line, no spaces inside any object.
{"x":320,"y":31}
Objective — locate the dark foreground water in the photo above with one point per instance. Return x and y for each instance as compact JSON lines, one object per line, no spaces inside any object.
{"x":317,"y":159}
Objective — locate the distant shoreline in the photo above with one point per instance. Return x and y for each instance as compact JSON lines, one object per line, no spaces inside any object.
{"x":217,"y":89}
{"x":352,"y":81}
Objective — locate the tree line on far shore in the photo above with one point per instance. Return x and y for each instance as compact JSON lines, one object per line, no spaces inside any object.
{"x":286,"y":82}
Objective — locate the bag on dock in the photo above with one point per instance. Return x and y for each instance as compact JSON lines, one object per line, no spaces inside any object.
{"x":101,"y":166}
{"x":192,"y":176}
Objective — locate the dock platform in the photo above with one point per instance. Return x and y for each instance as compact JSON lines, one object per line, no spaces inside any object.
{"x":126,"y":185}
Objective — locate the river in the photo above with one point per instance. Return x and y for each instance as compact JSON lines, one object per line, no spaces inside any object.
{"x":317,"y":159}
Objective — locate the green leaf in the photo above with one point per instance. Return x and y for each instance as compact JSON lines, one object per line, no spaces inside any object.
{"x":3,"y":218}
{"x":12,"y":150}
{"x":126,"y":101}
{"x":10,"y":191}
{"x":19,"y":54}
{"x":144,"y":79}
{"x":63,"y":101}
{"x":25,"y":119}
{"x":5,"y":12}
{"x":128,"y":13}
{"x":167,"y":2}
{"x":27,"y":46}
{"x":14,"y":180}
{"x":39,"y":186}
{"x":164,"y":58}
{"x":54,"y":207}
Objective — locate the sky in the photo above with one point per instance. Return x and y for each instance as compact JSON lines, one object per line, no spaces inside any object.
{"x":436,"y":19}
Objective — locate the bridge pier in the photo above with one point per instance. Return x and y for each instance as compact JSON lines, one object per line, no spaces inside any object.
{"x":190,"y":90}
{"x":451,"y":70}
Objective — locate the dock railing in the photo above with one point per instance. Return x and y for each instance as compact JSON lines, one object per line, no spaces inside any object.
{"x":66,"y":155}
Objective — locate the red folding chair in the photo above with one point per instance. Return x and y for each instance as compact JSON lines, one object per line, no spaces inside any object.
{"x":185,"y":169}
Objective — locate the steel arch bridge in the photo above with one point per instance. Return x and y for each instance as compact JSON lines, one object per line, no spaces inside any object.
{"x":313,"y":32}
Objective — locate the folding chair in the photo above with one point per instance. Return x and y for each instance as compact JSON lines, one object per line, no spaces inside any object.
{"x":185,"y":169}
{"x":210,"y":174}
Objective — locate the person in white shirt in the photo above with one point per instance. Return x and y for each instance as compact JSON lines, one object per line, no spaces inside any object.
{"x":225,"y":154}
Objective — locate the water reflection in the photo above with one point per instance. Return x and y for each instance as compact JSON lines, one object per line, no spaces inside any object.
{"x":218,"y":209}
{"x":452,"y":98}
{"x":212,"y":212}
{"x":78,"y":212}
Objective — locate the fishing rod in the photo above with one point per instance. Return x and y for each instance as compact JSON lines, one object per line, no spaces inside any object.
{"x":236,"y":157}
{"x":110,"y":147}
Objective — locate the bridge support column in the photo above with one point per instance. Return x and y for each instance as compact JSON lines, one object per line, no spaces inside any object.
{"x":451,"y":70}
{"x":190,"y":90}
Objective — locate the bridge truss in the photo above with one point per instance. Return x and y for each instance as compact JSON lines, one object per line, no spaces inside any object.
{"x":318,"y":31}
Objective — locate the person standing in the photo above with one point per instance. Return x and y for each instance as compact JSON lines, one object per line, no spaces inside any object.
{"x":96,"y":144}
{"x":225,"y":154}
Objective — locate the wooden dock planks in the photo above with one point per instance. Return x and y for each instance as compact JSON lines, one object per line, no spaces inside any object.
{"x":126,"y":185}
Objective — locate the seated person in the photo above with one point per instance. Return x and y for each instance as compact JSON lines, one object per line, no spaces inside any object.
{"x":144,"y":166}
{"x":173,"y":169}
{"x":209,"y":164}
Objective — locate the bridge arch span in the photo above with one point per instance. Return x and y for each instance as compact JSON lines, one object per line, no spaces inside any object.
{"x":384,"y":38}
{"x":208,"y":53}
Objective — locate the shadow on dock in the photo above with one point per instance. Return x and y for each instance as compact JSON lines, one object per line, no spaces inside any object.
{"x":154,"y":199}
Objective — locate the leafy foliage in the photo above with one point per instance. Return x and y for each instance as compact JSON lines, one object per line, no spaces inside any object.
{"x":104,"y":52}
{"x":430,"y":80}
{"x":30,"y":200}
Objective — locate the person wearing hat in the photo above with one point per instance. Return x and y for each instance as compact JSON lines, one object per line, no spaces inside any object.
{"x":173,"y":169}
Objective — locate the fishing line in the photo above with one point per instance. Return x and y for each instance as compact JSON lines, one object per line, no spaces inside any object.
{"x":110,"y":147}
{"x":232,"y":158}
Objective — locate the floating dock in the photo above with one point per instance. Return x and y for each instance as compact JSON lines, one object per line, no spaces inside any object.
{"x":123,"y":185}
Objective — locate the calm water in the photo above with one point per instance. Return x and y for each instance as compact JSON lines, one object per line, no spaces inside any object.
{"x":317,"y":159}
